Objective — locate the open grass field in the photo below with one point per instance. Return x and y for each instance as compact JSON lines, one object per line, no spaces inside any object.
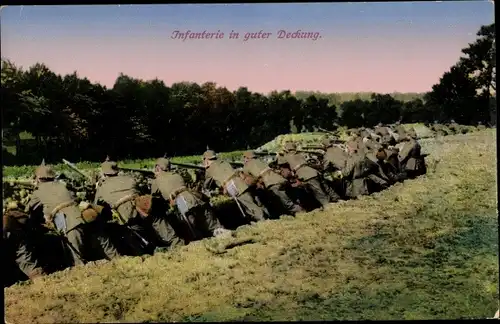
{"x":425,"y":249}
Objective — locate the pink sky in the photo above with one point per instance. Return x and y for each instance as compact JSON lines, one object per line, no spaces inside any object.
{"x":376,"y":58}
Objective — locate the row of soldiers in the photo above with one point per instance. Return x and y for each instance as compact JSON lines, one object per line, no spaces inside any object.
{"x":122,"y":220}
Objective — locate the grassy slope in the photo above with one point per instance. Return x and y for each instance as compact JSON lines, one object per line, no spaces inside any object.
{"x":425,"y":249}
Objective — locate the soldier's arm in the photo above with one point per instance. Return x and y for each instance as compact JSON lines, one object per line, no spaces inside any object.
{"x":34,"y":203}
{"x":209,"y":183}
{"x":98,"y":196}
{"x":348,"y":170}
{"x":155,"y":191}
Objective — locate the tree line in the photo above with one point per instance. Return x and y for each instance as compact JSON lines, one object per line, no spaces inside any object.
{"x":51,"y":116}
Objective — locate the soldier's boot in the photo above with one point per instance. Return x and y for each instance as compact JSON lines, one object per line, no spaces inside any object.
{"x":285,"y":200}
{"x":332,"y":195}
{"x":213,"y":226}
{"x":35,"y":273}
{"x":75,"y":245}
{"x":250,"y":208}
{"x":166,"y":233}
{"x":380,"y":184}
{"x":314,"y":185}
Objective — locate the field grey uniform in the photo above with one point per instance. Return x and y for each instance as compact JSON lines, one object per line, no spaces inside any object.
{"x":226,"y":177}
{"x":59,"y":204}
{"x":119,"y":192}
{"x":271,"y":180}
{"x":17,"y":243}
{"x":195,"y":213}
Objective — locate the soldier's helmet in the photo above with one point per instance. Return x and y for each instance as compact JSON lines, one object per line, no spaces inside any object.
{"x":290,"y":146}
{"x":327,"y":142}
{"x":381,"y":154}
{"x":209,"y":155}
{"x":249,"y":155}
{"x":45,"y":171}
{"x":163,"y":164}
{"x":144,"y":203}
{"x":109,"y":168}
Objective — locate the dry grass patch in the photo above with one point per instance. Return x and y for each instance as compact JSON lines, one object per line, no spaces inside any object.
{"x":425,"y":249}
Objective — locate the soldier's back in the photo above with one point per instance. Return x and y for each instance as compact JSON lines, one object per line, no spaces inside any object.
{"x":259,"y":169}
{"x":222,"y":172}
{"x":168,"y":183}
{"x":298,"y":163}
{"x":52,"y":194}
{"x":114,"y":188}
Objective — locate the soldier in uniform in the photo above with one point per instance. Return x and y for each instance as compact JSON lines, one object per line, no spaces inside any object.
{"x":334,"y":161}
{"x":387,"y":136}
{"x":195,"y":212}
{"x":270,"y":180}
{"x":358,"y":168}
{"x":223,"y":175}
{"x":60,"y":209}
{"x":120,"y":193}
{"x":412,"y":162}
{"x":19,"y":248}
{"x":309,"y":177}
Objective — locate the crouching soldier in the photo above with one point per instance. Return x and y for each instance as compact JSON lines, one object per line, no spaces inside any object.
{"x":358,"y":169}
{"x":60,"y":211}
{"x":270,"y":180}
{"x":223,"y":175}
{"x":120,"y":193}
{"x":196,"y":215}
{"x":308,"y":176}
{"x":411,"y":159}
{"x":19,"y":248}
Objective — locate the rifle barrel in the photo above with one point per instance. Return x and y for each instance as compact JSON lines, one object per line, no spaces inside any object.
{"x":188,"y":165}
{"x":72,"y":166}
{"x":136,"y":170}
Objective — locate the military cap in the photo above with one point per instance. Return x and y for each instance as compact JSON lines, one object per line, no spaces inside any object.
{"x":144,"y":203}
{"x":290,"y":146}
{"x":209,"y":155}
{"x":109,"y":168}
{"x":249,"y":155}
{"x":381,"y":154}
{"x":163,"y":163}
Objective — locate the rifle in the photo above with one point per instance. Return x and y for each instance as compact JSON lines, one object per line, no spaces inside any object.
{"x":237,"y":164}
{"x":187,"y":165}
{"x":315,"y":152}
{"x":74,"y":168}
{"x":142,"y":171}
